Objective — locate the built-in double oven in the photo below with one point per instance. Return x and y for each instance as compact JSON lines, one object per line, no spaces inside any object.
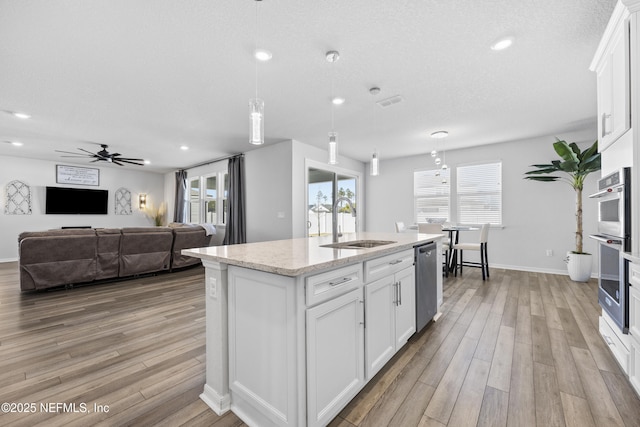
{"x":614,"y":237}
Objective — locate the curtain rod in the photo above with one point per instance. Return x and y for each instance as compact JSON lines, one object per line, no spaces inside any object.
{"x":208,"y":162}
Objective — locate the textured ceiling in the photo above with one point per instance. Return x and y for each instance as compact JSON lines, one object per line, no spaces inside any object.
{"x":145,"y":76}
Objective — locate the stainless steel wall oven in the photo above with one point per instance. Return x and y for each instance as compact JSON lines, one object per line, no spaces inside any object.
{"x":614,"y":237}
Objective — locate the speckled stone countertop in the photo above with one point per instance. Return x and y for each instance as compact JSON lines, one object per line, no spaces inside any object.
{"x":295,"y":257}
{"x":632,"y":256}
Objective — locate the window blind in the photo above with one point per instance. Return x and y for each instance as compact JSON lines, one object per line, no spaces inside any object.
{"x":479,"y":193}
{"x":431,"y":195}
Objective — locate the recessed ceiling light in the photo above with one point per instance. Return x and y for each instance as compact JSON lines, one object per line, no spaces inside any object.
{"x":502,"y":43}
{"x":22,"y":115}
{"x":262,"y":55}
{"x":17,"y":143}
{"x":184,"y":147}
{"x":147,"y":162}
{"x":440,"y":134}
{"x":337,"y":100}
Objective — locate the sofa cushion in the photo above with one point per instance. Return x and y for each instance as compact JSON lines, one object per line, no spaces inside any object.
{"x":108,"y":253}
{"x":57,"y":257}
{"x":187,"y":237}
{"x":145,"y":250}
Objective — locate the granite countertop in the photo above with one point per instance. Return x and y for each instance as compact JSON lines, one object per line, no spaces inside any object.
{"x":632,"y":256}
{"x":295,"y":257}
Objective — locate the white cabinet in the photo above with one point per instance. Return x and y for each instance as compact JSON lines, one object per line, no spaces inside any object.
{"x":613,"y":75}
{"x":335,"y":356}
{"x":634,"y":305}
{"x":634,"y":364}
{"x":406,"y":306}
{"x":380,"y":316}
{"x":634,"y":329}
{"x":390,"y":316}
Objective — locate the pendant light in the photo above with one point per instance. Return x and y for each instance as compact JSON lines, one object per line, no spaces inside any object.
{"x":375,"y":163}
{"x":332,"y":56}
{"x":256,"y":105}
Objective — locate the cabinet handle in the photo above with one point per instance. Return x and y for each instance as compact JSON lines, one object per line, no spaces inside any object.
{"x":363,"y":314}
{"x":399,"y":293}
{"x":605,"y":118}
{"x":398,"y":261}
{"x":395,"y":293}
{"x":340,"y":282}
{"x":609,"y":340}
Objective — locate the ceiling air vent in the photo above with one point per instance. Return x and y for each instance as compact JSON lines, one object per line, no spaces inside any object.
{"x":390,"y":101}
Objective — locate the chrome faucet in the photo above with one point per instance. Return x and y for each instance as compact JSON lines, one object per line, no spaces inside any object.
{"x":334,"y":214}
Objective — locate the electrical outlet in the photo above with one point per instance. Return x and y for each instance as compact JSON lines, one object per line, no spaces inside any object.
{"x":213,"y":287}
{"x":549,"y":252}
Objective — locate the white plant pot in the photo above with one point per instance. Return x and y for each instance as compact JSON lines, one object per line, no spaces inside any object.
{"x":579,"y":266}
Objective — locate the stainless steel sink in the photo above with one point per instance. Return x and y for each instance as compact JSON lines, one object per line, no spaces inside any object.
{"x":358,"y":244}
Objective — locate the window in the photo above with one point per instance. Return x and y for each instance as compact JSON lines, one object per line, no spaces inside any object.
{"x":194,"y":200}
{"x":431,"y":195}
{"x":206,"y":195}
{"x":322,"y":187}
{"x":479,"y":193}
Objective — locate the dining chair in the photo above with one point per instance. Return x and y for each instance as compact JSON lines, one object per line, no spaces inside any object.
{"x":434,"y":228}
{"x":400,"y":227}
{"x":480,"y":246}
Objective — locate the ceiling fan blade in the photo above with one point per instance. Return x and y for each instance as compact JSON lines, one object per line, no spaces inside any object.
{"x":86,"y":151}
{"x":70,"y":152}
{"x":117,"y":163}
{"x":134,"y":160}
{"x":77,"y":157}
{"x":96,"y":160}
{"x":130,"y":162}
{"x":115,"y":155}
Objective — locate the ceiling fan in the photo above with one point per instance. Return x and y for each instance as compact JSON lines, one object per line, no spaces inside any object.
{"x":104,"y":156}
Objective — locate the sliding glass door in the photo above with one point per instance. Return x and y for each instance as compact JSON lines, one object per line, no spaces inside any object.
{"x":323,"y":188}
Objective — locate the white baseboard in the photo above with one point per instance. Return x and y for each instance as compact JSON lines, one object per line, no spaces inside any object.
{"x":3,"y":260}
{"x":563,"y":272}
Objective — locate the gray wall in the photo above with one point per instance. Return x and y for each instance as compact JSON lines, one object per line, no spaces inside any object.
{"x":537,"y":216}
{"x":40,"y":173}
{"x":276,"y":188}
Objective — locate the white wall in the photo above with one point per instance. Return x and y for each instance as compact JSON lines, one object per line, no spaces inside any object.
{"x":536,"y":215}
{"x":39,"y":174}
{"x":269,"y":189}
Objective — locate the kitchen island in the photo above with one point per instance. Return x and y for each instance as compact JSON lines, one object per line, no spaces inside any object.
{"x":295,"y":329}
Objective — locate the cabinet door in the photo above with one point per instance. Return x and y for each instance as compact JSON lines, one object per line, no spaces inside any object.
{"x":613,"y":90}
{"x":335,"y":356}
{"x":634,"y":364}
{"x":380,"y":299}
{"x":634,"y":311}
{"x":406,"y":306}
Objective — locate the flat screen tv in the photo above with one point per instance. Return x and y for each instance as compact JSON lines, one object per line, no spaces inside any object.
{"x":76,"y":201}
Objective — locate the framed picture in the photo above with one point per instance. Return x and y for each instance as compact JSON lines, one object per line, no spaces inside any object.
{"x":77,"y":175}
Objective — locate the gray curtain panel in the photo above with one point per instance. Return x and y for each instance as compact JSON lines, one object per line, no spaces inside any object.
{"x":181,"y":190}
{"x":236,"y":221}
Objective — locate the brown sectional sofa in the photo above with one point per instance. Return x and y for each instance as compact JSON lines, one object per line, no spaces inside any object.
{"x":61,"y":257}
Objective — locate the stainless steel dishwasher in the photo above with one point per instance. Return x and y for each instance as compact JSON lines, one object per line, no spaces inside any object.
{"x":426,"y":284}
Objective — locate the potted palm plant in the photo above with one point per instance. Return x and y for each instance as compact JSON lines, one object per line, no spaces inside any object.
{"x":575,"y":165}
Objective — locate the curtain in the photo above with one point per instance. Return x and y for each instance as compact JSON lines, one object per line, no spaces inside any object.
{"x":179,"y":210}
{"x":236,"y":222}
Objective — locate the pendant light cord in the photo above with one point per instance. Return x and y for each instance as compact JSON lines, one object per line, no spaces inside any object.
{"x":256,"y":49}
{"x":332,"y":104}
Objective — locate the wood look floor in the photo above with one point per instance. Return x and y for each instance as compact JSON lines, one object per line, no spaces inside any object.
{"x":521,"y":349}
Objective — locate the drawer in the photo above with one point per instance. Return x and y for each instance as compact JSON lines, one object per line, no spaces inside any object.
{"x":634,"y":274}
{"x":324,"y":286}
{"x":616,"y":346}
{"x":380,"y":267}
